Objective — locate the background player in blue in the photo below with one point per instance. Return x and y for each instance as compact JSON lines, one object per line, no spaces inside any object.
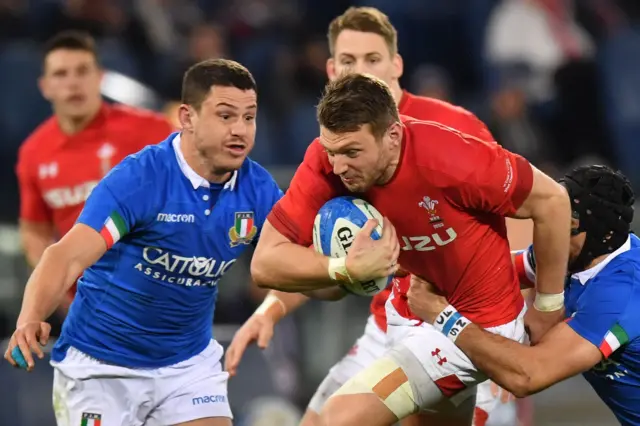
{"x":601,"y":336}
{"x":153,"y":240}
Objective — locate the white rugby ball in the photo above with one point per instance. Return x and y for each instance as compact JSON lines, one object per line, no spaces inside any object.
{"x":334,"y":230}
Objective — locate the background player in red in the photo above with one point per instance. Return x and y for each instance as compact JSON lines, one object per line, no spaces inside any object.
{"x":399,"y":165}
{"x":362,"y":40}
{"x":65,"y":157}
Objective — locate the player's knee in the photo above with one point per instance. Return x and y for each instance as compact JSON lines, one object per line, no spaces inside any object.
{"x":382,"y":390}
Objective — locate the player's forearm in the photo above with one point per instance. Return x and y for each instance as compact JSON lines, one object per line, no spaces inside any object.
{"x":34,"y":245}
{"x":278,"y":304}
{"x":33,"y":253}
{"x":289,"y":267}
{"x":508,"y":363}
{"x":331,"y":294}
{"x":49,"y":282}
{"x":551,"y":234}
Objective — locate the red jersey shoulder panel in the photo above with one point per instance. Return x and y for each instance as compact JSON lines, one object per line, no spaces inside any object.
{"x":473,"y":172}
{"x":450,"y":115}
{"x":149,"y":127}
{"x":40,"y":138}
{"x":312,"y":185}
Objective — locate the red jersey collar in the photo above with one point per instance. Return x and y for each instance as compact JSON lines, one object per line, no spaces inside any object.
{"x":404,"y":100}
{"x":95,"y":124}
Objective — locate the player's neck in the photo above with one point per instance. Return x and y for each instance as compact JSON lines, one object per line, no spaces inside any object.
{"x":597,"y":260}
{"x":72,"y":125}
{"x":199,"y":163}
{"x":396,"y":91}
{"x":390,"y":171}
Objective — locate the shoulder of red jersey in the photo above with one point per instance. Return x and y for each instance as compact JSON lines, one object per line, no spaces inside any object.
{"x":129,"y":113}
{"x":146,"y":127}
{"x":316,"y":159}
{"x":445,"y":113}
{"x":39,"y":138}
{"x":443,"y":149}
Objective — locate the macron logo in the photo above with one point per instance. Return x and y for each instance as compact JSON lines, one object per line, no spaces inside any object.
{"x":208,"y":399}
{"x":176,"y":218}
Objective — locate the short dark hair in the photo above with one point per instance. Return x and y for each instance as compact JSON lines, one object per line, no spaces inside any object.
{"x":70,"y":40}
{"x":366,"y":20}
{"x":199,"y":79}
{"x":355,"y":100}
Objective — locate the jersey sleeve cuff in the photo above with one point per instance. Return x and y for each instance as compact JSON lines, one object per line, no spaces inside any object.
{"x":281,"y":220}
{"x":526,"y":275}
{"x":524,"y":182}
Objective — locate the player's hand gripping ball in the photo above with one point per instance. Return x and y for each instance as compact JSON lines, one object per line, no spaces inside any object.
{"x":334,"y":230}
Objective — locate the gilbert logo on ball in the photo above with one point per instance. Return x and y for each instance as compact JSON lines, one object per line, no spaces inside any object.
{"x":334,"y":230}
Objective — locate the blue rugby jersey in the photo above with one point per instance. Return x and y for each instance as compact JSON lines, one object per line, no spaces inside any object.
{"x":603,"y":306}
{"x":149,"y":301}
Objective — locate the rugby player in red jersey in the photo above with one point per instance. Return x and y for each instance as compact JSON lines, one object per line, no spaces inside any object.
{"x":363,"y":40}
{"x":403,"y":166}
{"x":65,"y":157}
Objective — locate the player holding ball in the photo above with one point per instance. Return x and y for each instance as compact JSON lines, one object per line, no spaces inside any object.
{"x":403,"y":166}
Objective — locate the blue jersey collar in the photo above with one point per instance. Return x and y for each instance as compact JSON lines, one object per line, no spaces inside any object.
{"x":196,"y":180}
{"x":585,"y":276}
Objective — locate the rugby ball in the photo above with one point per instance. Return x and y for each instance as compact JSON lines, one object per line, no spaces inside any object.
{"x":334,"y":229}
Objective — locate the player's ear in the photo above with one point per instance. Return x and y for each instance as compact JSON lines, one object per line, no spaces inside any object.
{"x":331,"y":69}
{"x":185,"y":117}
{"x":44,"y":90}
{"x":398,"y":66}
{"x":395,"y":133}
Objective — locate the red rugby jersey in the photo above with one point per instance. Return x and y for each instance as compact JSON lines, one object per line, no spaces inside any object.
{"x":429,"y":109}
{"x":447,"y":201}
{"x":56,"y":172}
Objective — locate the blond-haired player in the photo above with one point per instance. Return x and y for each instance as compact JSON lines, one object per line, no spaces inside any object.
{"x":363,"y":40}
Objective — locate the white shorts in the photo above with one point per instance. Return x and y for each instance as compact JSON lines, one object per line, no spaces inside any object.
{"x":85,"y":388}
{"x":426,"y":354}
{"x":370,"y":346}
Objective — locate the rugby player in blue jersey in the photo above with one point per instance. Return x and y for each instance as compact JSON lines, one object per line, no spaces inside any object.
{"x":601,"y":335}
{"x":154,"y":239}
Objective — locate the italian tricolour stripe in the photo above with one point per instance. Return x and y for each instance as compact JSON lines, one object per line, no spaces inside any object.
{"x":114,"y":228}
{"x":614,"y":338}
{"x":91,"y":419}
{"x":244,"y":225}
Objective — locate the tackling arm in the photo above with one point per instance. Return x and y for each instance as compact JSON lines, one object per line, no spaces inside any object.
{"x":58,"y":269}
{"x":525,"y":370}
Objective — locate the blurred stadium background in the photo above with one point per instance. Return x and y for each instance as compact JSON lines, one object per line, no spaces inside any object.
{"x":555,"y":98}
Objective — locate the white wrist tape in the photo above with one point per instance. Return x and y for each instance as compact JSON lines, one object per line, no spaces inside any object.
{"x":450,"y":323}
{"x":549,"y":302}
{"x":338,"y":269}
{"x":268,"y":302}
